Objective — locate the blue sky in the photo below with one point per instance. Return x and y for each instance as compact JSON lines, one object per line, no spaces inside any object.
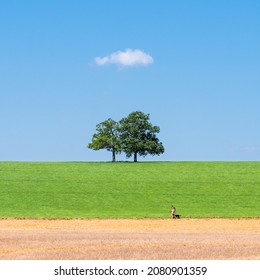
{"x":201,"y":84}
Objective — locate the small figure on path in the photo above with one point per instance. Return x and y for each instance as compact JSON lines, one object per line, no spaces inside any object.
{"x":173,"y":212}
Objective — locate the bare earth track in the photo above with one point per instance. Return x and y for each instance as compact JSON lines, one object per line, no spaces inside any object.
{"x":92,"y":239}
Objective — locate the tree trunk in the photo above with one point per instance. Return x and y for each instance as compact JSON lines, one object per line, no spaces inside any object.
{"x":135,"y":156}
{"x":113,"y":156}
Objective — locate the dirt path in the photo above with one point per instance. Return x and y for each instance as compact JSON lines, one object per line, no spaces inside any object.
{"x":130,"y":239}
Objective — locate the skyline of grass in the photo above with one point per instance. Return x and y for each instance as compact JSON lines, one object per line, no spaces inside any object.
{"x":127,"y":189}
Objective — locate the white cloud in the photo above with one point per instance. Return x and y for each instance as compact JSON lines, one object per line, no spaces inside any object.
{"x":126,"y":58}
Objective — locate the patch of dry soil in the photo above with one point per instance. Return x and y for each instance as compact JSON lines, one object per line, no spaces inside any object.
{"x":142,"y":239}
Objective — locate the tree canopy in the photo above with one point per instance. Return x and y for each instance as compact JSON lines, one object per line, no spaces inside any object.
{"x":134,"y":135}
{"x":106,"y":138}
{"x":138,"y":136}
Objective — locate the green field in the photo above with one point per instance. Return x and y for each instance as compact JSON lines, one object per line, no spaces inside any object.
{"x":125,"y":189}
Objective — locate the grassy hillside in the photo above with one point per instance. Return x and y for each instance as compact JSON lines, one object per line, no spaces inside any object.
{"x":147,"y":189}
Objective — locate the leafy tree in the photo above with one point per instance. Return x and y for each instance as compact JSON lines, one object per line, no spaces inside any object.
{"x":106,"y":138}
{"x":138,"y":136}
